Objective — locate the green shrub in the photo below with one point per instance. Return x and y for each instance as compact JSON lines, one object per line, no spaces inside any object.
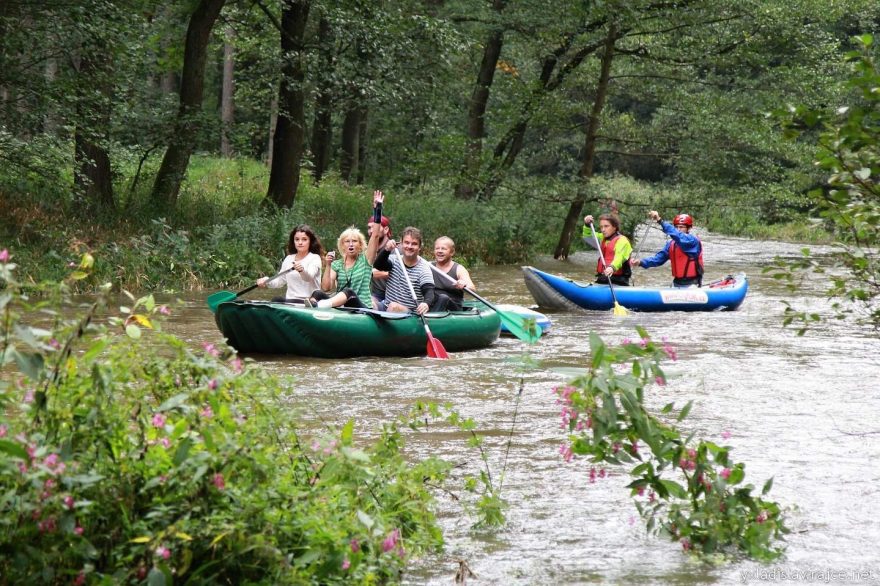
{"x":130,"y":462}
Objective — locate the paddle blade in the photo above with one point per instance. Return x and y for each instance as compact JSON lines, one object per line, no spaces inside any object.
{"x":436,"y":349}
{"x":215,"y":299}
{"x":526,"y":330}
{"x":619,"y":310}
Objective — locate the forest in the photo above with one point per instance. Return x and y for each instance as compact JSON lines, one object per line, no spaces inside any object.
{"x":200,"y":131}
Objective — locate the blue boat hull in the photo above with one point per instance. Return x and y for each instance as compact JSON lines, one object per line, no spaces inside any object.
{"x":556,"y":292}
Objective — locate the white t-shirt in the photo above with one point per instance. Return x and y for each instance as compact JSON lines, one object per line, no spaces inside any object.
{"x":299,"y":284}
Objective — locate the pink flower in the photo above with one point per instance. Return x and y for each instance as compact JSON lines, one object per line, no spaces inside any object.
{"x":55,"y":344}
{"x":4,"y":431}
{"x":725,"y":434}
{"x":4,"y":255}
{"x":762,"y":517}
{"x":218,"y":481}
{"x":566,"y":452}
{"x":158,"y":420}
{"x":212,"y":384}
{"x":163,"y":552}
{"x":29,"y":396}
{"x":390,"y":541}
{"x":163,"y":309}
{"x":237,"y":364}
{"x":725,"y":474}
{"x":78,"y":530}
{"x":207,"y":412}
{"x":355,"y":546}
{"x":685,"y":544}
{"x":69,"y":502}
{"x":592,"y":475}
{"x":211,"y":349}
{"x":346,"y":564}
{"x":660,"y":380}
{"x":166,"y":443}
{"x":51,"y":460}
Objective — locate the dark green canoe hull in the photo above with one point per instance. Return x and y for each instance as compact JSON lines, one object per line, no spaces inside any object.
{"x":278,"y":328}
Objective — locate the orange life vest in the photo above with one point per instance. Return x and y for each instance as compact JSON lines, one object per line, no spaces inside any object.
{"x":684,"y":266}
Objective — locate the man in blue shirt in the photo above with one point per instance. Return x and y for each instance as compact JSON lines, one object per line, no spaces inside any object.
{"x":683,"y":249}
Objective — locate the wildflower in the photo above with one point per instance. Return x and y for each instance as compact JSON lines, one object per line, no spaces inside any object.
{"x":566,"y":452}
{"x":725,"y":434}
{"x":626,"y":341}
{"x":219,"y":481}
{"x":725,"y":474}
{"x":80,"y":579}
{"x":212,"y":384}
{"x":55,"y":344}
{"x":762,"y":517}
{"x":237,"y":364}
{"x":211,"y":349}
{"x":29,"y":396}
{"x":592,"y":475}
{"x":158,"y":420}
{"x":163,"y":309}
{"x":4,"y":255}
{"x":644,"y":342}
{"x":390,"y":541}
{"x":163,"y":552}
{"x":166,"y":443}
{"x":207,"y":412}
{"x":4,"y":430}
{"x":641,"y":491}
{"x":660,"y":380}
{"x":686,"y":544}
{"x":346,"y":564}
{"x":78,"y":530}
{"x":602,"y":473}
{"x":51,"y":461}
{"x":69,"y":502}
{"x":355,"y":545}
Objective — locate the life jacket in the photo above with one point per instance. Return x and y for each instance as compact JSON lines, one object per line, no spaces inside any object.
{"x":684,"y":266}
{"x":608,"y":253}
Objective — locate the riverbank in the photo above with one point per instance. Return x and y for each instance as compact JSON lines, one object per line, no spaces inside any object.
{"x":221,"y":235}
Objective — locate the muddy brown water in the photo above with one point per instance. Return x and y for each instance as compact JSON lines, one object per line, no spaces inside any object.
{"x":804,"y":410}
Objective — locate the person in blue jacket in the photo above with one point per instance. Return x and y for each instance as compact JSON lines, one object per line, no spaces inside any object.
{"x":683,"y":249}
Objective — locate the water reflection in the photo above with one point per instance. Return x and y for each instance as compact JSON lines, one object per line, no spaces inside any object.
{"x":800,"y":409}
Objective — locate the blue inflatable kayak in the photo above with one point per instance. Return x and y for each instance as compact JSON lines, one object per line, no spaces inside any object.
{"x":541,"y":320}
{"x":556,"y":292}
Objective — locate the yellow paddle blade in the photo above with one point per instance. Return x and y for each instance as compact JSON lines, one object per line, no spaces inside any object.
{"x":619,"y":309}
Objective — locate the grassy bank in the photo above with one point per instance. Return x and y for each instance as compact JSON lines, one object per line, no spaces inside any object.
{"x":221,"y":235}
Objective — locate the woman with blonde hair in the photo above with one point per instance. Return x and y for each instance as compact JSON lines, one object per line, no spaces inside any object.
{"x":350,"y":275}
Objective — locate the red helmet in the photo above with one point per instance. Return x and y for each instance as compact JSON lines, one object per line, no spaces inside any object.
{"x":683,"y":219}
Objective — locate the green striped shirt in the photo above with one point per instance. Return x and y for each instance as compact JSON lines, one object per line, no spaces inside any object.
{"x":357,"y":278}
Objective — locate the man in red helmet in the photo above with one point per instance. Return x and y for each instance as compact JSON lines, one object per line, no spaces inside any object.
{"x":683,"y":249}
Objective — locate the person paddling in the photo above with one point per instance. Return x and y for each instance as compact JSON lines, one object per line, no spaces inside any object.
{"x":444,"y":249}
{"x":683,"y":249}
{"x":615,"y":249}
{"x":304,"y":252}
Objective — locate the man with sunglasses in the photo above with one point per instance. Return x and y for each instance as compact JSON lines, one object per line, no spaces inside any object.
{"x":683,"y":249}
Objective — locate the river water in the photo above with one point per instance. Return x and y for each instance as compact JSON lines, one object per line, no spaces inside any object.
{"x":803,"y":410}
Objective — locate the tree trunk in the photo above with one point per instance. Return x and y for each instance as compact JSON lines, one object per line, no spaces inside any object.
{"x":287,"y":146}
{"x":363,"y":128}
{"x":92,"y":171}
{"x":348,"y":163}
{"x":322,"y":128}
{"x":572,"y":219}
{"x":192,"y":88}
{"x":476,"y":131}
{"x":227,"y":103}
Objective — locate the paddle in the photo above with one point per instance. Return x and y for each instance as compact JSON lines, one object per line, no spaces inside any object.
{"x":215,"y":299}
{"x":515,"y":323}
{"x":639,"y":249}
{"x":618,"y":309}
{"x":435,"y":347}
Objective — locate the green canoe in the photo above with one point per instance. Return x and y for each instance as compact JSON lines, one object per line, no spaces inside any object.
{"x":280,"y":328}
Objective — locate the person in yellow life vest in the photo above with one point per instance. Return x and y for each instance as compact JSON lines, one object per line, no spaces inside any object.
{"x":615,"y":248}
{"x":683,"y":249}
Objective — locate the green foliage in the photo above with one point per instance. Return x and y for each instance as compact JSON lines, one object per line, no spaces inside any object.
{"x":690,"y":490}
{"x":849,"y":202}
{"x":126,"y":462}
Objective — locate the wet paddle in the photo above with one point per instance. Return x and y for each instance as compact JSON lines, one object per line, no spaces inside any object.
{"x":435,"y":347}
{"x":215,"y":299}
{"x":528,"y":333}
{"x":618,"y":309}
